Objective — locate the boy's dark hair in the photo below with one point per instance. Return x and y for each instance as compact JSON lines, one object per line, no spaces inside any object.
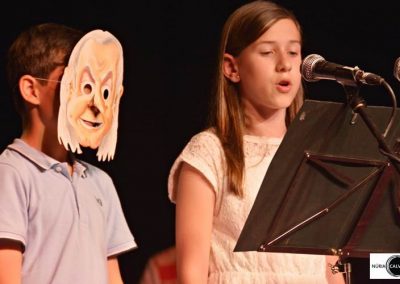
{"x":37,"y":51}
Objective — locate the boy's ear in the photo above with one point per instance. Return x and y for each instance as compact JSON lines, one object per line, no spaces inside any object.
{"x":230,"y":68}
{"x":28,"y":90}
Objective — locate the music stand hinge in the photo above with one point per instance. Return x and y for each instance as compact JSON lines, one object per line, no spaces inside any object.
{"x":340,"y":267}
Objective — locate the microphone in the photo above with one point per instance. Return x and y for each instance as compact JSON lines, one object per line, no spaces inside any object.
{"x":396,"y":71}
{"x":314,"y":68}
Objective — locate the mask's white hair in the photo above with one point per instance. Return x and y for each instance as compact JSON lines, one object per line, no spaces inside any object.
{"x":66,"y":133}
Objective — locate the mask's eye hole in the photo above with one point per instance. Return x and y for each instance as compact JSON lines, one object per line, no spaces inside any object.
{"x":87,"y":89}
{"x":106,"y":93}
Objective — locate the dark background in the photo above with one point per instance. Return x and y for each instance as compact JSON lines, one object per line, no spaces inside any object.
{"x":170,"y":50}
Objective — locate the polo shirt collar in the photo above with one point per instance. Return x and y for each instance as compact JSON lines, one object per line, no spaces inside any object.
{"x":40,"y":159}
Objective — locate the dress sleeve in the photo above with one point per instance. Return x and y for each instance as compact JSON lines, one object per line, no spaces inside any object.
{"x":203,"y":152}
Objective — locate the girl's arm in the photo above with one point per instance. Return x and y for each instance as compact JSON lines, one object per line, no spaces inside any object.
{"x":194,"y":217}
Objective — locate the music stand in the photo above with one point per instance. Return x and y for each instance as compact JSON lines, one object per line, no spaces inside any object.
{"x":329,"y":189}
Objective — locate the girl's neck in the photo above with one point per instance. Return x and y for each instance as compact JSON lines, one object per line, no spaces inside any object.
{"x":269,"y":125}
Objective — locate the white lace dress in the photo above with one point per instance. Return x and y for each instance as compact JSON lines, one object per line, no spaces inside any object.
{"x":204,"y":152}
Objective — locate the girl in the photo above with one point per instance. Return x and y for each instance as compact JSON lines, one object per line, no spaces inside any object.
{"x":216,"y":178}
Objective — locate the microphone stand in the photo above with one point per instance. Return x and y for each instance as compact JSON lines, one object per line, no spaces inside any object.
{"x":358,"y":106}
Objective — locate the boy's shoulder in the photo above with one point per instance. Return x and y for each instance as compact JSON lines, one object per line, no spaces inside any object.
{"x":11,"y":157}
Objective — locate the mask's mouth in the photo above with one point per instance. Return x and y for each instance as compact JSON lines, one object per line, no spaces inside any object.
{"x":90,"y":124}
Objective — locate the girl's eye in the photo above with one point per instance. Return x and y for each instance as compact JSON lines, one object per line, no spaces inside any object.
{"x":266,"y":52}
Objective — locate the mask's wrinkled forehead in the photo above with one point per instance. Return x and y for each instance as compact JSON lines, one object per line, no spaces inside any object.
{"x":91,"y":88}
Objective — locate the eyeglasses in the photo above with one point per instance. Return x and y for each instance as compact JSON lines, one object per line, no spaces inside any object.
{"x":47,"y":80}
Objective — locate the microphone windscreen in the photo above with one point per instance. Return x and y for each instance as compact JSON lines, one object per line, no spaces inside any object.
{"x":396,"y":69}
{"x":307,"y":67}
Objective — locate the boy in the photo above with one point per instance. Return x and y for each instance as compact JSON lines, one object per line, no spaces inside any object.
{"x":60,"y":218}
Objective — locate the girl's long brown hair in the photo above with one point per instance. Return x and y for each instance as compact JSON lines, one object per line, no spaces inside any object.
{"x":243,"y":27}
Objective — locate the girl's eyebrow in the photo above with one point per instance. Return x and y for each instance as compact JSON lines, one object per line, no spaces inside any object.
{"x":274,"y":41}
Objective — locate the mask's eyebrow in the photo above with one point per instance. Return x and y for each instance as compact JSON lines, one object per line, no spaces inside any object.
{"x":87,"y":72}
{"x":107,"y":77}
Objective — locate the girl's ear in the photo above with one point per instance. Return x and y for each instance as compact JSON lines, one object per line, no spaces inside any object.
{"x":230,"y":68}
{"x":29,"y":92}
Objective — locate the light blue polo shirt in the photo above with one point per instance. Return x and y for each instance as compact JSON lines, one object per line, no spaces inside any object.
{"x":68,"y":225}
